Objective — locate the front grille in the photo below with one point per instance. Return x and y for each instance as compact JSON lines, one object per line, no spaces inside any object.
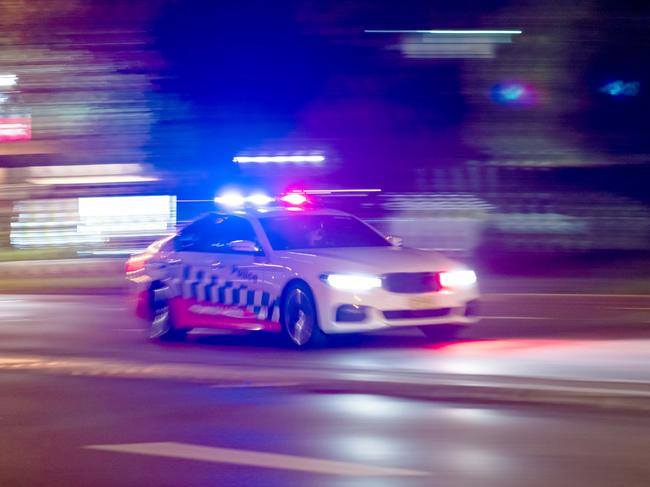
{"x":416,"y":314}
{"x":411,"y":282}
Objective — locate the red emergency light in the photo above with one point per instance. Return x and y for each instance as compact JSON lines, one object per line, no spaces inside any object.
{"x":294,"y":199}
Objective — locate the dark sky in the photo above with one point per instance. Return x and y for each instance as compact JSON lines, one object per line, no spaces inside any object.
{"x":256,"y":71}
{"x":250,"y":74}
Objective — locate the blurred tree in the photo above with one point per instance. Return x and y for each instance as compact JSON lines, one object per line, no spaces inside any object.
{"x":566,"y":53}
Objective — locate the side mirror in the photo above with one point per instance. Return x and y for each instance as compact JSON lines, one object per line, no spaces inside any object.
{"x":395,"y":241}
{"x":244,"y":246}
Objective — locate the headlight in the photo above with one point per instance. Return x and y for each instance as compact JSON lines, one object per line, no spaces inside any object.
{"x":457,"y":279}
{"x":352,"y":282}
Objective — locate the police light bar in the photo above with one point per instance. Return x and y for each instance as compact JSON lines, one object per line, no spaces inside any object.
{"x":230,"y":199}
{"x":234,"y":200}
{"x":260,"y":199}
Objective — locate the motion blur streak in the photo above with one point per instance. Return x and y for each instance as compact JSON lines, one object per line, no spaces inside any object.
{"x":108,"y":221}
{"x":502,"y":136}
{"x":8,"y":80}
{"x":279,"y":159}
{"x":451,"y":32}
{"x":91,"y":180}
{"x":450,"y":44}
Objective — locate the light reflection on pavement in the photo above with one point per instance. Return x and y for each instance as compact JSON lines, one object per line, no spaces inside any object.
{"x":102,"y":327}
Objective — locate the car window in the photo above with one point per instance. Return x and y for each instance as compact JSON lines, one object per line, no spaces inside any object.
{"x":224,"y":230}
{"x":319,"y":231}
{"x":213,"y":233}
{"x":190,"y":238}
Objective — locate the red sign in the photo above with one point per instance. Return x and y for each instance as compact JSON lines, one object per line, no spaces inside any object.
{"x":15,"y":128}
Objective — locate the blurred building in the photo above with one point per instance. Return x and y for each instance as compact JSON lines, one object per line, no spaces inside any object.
{"x":496,"y":131}
{"x":75,"y":113}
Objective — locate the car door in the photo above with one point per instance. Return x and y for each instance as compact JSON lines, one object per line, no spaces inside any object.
{"x":188,"y":262}
{"x":222,"y":285}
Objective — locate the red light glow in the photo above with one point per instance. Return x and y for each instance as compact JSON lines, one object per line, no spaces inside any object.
{"x":457,"y":279}
{"x":137,"y":262}
{"x":295,"y":199}
{"x":14,"y":129}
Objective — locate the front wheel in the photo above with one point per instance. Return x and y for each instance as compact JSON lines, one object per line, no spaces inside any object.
{"x":161,"y":326}
{"x":299,"y":318}
{"x":441,"y":333}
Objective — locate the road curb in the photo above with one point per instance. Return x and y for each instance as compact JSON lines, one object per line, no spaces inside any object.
{"x":586,"y":396}
{"x":628,"y":396}
{"x":63,"y":291}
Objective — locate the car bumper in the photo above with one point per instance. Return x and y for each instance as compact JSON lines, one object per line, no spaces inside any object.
{"x":138,"y":292}
{"x":344,"y":312}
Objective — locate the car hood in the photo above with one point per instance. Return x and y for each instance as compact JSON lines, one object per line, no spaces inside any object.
{"x":369,"y":259}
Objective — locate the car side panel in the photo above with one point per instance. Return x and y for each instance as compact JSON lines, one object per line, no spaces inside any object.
{"x":217,"y":291}
{"x":192,"y":312}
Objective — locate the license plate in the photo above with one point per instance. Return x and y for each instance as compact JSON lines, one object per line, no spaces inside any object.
{"x":423,"y":302}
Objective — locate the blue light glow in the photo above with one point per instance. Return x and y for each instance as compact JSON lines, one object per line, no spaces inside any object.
{"x":259,"y":199}
{"x":622,"y":88}
{"x":234,"y":199}
{"x":513,"y":93}
{"x":230,"y":199}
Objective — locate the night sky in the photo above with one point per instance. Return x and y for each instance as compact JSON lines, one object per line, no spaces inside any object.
{"x":249,"y":76}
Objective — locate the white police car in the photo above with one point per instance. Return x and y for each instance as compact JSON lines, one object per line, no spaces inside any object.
{"x":301,"y":271}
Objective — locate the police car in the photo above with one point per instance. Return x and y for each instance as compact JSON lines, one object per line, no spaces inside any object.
{"x":285,"y":266}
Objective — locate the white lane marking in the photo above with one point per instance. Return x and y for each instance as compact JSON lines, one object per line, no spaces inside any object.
{"x":639,"y":308}
{"x":253,"y":385}
{"x":514,"y":318}
{"x":255,"y":459}
{"x":565,"y":295}
{"x":569,"y":389}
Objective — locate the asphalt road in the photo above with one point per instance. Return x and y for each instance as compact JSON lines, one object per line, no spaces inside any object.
{"x":72,"y":413}
{"x":530,"y":335}
{"x":63,"y":431}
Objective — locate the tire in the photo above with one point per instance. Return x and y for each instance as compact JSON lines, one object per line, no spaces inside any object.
{"x":442,"y":333}
{"x":161,"y":326}
{"x":299,"y":318}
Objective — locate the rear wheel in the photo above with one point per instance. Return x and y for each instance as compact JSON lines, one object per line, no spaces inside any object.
{"x":161,"y":326}
{"x":299,"y":318}
{"x":441,"y":333}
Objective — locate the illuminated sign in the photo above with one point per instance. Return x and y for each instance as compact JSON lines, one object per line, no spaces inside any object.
{"x":15,"y":128}
{"x":8,"y":80}
{"x":314,"y":159}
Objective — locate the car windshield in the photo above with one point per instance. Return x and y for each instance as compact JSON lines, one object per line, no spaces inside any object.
{"x":319,"y":232}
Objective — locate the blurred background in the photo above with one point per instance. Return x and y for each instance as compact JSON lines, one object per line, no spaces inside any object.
{"x":511,"y":133}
